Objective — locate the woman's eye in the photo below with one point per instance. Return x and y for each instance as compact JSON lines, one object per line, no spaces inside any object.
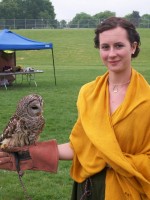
{"x":119,"y":46}
{"x":105,"y":47}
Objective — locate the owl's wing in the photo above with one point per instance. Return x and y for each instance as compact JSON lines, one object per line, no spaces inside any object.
{"x":9,"y":129}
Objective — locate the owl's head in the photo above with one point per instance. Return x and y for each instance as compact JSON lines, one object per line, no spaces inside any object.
{"x":30,"y":106}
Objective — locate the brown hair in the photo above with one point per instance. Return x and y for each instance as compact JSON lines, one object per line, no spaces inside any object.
{"x":114,"y":22}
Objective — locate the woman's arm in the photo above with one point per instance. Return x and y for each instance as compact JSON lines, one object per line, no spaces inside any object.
{"x":65,"y":151}
{"x":43,"y":156}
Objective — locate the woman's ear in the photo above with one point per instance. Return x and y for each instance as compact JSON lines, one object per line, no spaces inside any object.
{"x":134,"y":45}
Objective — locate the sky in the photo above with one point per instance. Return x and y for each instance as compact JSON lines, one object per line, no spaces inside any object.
{"x":67,"y":9}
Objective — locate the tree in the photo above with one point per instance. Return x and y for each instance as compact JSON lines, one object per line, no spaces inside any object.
{"x":103,"y":15}
{"x":82,"y":20}
{"x":8,"y":9}
{"x":134,"y":17}
{"x":145,"y":21}
{"x":63,"y":24}
{"x":26,"y":9}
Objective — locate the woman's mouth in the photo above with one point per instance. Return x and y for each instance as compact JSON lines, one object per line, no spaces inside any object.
{"x":114,"y":62}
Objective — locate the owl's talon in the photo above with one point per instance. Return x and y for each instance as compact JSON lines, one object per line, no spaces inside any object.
{"x":4,"y":146}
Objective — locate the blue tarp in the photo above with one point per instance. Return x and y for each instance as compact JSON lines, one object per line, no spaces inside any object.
{"x":12,"y":41}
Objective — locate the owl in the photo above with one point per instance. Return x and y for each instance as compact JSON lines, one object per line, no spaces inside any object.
{"x":25,"y":125}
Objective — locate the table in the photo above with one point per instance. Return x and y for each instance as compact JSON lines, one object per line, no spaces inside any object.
{"x":30,"y":76}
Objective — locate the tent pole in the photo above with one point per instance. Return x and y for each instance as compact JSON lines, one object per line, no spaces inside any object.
{"x":53,"y":65}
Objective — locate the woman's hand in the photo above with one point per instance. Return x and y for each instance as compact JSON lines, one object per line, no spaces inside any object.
{"x":7,"y":161}
{"x":41,"y":156}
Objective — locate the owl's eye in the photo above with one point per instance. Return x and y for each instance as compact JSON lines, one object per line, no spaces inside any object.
{"x":34,"y":107}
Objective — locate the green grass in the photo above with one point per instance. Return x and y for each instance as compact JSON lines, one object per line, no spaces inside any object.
{"x":77,"y":62}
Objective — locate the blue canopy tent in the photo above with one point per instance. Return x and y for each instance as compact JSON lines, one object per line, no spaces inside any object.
{"x":12,"y":41}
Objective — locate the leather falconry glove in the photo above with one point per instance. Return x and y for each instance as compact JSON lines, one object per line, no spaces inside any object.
{"x":42,"y":156}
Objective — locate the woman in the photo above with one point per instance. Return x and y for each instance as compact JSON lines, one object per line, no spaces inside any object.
{"x":109,"y":143}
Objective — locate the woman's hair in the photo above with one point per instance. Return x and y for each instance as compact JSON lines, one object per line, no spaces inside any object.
{"x":114,"y":22}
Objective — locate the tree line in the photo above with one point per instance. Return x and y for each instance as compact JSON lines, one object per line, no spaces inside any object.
{"x":44,"y":11}
{"x":84,"y":20}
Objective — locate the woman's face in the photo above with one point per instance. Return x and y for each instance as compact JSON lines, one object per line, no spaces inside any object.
{"x":116,"y":50}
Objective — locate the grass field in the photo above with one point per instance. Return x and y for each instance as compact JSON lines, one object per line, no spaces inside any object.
{"x":77,"y":62}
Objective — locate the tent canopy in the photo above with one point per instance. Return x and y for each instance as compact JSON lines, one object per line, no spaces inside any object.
{"x":12,"y":41}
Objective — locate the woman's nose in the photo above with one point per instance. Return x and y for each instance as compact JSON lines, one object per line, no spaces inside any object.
{"x":112,"y":52}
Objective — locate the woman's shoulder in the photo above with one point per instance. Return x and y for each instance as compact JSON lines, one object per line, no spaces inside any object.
{"x":142,"y":81}
{"x":92,"y":84}
{"x":139,"y":76}
{"x":90,"y":87}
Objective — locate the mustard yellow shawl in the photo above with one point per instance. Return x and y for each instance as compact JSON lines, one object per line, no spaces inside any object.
{"x":122,"y":140}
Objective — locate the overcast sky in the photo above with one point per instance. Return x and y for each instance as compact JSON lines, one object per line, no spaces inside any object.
{"x":67,"y":9}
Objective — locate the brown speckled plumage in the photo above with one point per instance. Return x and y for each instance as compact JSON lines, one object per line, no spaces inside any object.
{"x":26,"y":124}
